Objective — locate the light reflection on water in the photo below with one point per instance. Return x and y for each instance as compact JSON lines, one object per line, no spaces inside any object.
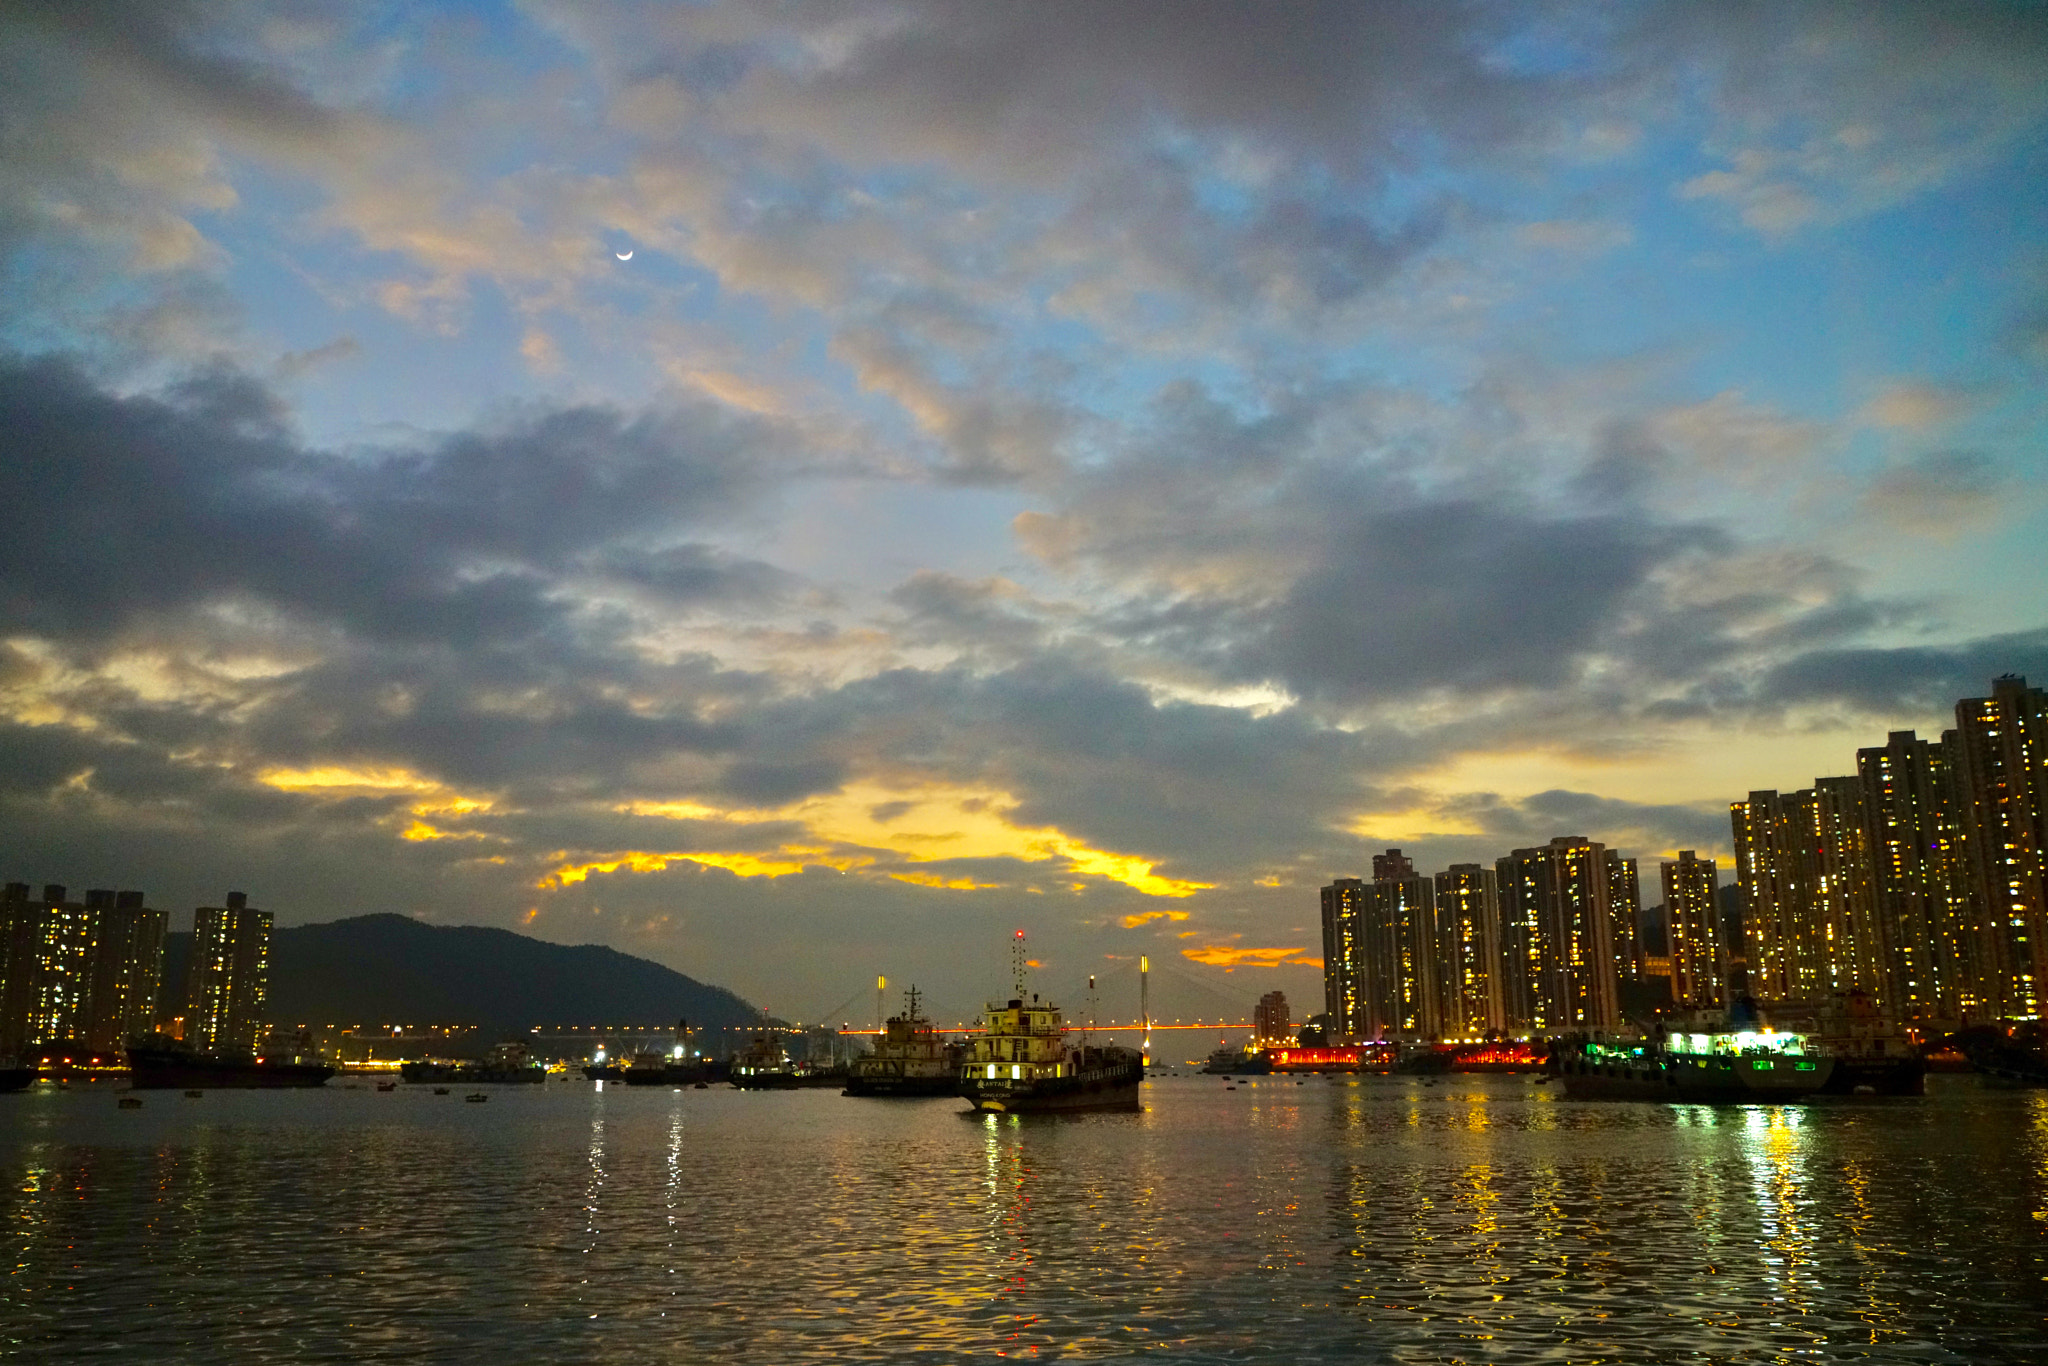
{"x":1375,"y":1219}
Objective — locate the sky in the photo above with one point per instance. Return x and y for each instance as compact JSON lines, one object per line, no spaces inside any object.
{"x":798,"y":491}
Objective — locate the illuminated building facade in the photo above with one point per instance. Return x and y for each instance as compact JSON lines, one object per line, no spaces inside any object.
{"x":1557,"y":914}
{"x":1625,"y":895}
{"x":1343,"y":904}
{"x":230,"y":977}
{"x":124,"y":968}
{"x":1271,"y":1021}
{"x":2000,"y":752}
{"x":1382,"y":944}
{"x":1928,"y":921}
{"x":1692,"y":909}
{"x":1803,"y":862}
{"x":43,"y":976}
{"x":1468,"y":971}
{"x":81,"y":973}
{"x":1398,"y":952}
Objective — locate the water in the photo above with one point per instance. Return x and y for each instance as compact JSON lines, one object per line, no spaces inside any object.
{"x":1477,"y":1219}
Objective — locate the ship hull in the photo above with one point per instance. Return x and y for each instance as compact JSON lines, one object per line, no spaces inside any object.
{"x":1905,"y":1076}
{"x":161,"y":1074}
{"x":442,"y":1074}
{"x":17,"y":1078}
{"x":1110,"y":1086}
{"x":1686,"y":1080}
{"x":785,"y":1081}
{"x":945,"y":1083}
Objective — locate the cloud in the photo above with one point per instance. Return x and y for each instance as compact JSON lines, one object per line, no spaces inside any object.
{"x":199,"y":500}
{"x":1938,"y":492}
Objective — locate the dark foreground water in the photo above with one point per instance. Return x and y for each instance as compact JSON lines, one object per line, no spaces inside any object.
{"x":1373,"y":1219}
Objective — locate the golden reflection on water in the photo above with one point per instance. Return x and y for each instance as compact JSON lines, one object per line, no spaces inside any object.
{"x":1774,"y":1143}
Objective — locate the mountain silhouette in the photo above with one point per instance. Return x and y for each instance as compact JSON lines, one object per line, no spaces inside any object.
{"x":390,"y":969}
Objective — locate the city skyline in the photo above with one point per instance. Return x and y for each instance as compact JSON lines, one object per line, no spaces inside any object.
{"x":797,"y":493}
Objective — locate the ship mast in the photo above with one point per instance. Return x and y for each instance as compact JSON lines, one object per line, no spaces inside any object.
{"x":1017,"y":964}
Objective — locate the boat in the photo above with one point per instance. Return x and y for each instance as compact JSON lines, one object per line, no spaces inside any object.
{"x":1872,"y":1054}
{"x":440,"y":1090}
{"x":678,"y":1066}
{"x":507,"y":1064}
{"x":1716,"y":1067}
{"x":1237,"y":1062}
{"x":476,"y":1097}
{"x":765,"y":1065}
{"x":1025,"y":1064}
{"x":129,"y":1103}
{"x":2018,"y":1058}
{"x":163,"y":1064}
{"x":17,"y":1078}
{"x":387,"y":1086}
{"x":911,"y":1058}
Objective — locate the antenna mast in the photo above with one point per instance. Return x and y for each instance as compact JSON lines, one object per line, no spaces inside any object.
{"x":1017,"y":964}
{"x":1145,"y":1005}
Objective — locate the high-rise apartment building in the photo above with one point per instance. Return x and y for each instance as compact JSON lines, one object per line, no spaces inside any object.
{"x":1271,"y":1020}
{"x":230,"y":977}
{"x":84,"y":974}
{"x":2000,"y":750}
{"x":1625,"y":895}
{"x":1692,"y":909}
{"x":1399,"y":951}
{"x":1928,"y":920}
{"x":1468,"y":974}
{"x":124,"y":968}
{"x":1381,"y":948}
{"x":42,"y":993}
{"x":1343,"y":904}
{"x":1557,"y":917}
{"x":1803,"y":862}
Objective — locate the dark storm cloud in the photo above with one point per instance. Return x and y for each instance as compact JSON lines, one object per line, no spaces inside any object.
{"x":199,"y":498}
{"x":1907,"y":679}
{"x":1639,"y":829}
{"x":1463,"y":595}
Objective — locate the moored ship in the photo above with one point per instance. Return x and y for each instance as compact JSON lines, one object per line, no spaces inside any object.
{"x":17,"y":1078}
{"x":1721,"y":1067}
{"x":765,"y":1065}
{"x":1024,"y":1064}
{"x":164,"y":1064}
{"x":1237,"y":1062}
{"x":508,"y":1064}
{"x":911,"y":1058}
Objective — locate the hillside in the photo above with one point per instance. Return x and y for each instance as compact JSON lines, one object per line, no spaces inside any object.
{"x":378,"y":969}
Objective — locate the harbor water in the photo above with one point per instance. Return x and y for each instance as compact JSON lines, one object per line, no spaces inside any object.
{"x":1398,"y":1219}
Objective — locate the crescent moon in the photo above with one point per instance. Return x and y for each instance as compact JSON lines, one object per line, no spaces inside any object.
{"x":624,"y":255}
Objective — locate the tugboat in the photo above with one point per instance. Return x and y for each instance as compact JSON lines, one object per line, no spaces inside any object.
{"x":508,"y":1064}
{"x":161,"y":1063}
{"x":1023,"y":1063}
{"x":910,"y":1059}
{"x":1727,"y":1066}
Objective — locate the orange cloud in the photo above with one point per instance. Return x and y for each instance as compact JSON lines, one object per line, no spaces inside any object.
{"x":744,"y":864}
{"x":1132,"y":922}
{"x":1232,"y":956}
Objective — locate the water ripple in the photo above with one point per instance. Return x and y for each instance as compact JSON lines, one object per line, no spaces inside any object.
{"x":1375,"y":1219}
